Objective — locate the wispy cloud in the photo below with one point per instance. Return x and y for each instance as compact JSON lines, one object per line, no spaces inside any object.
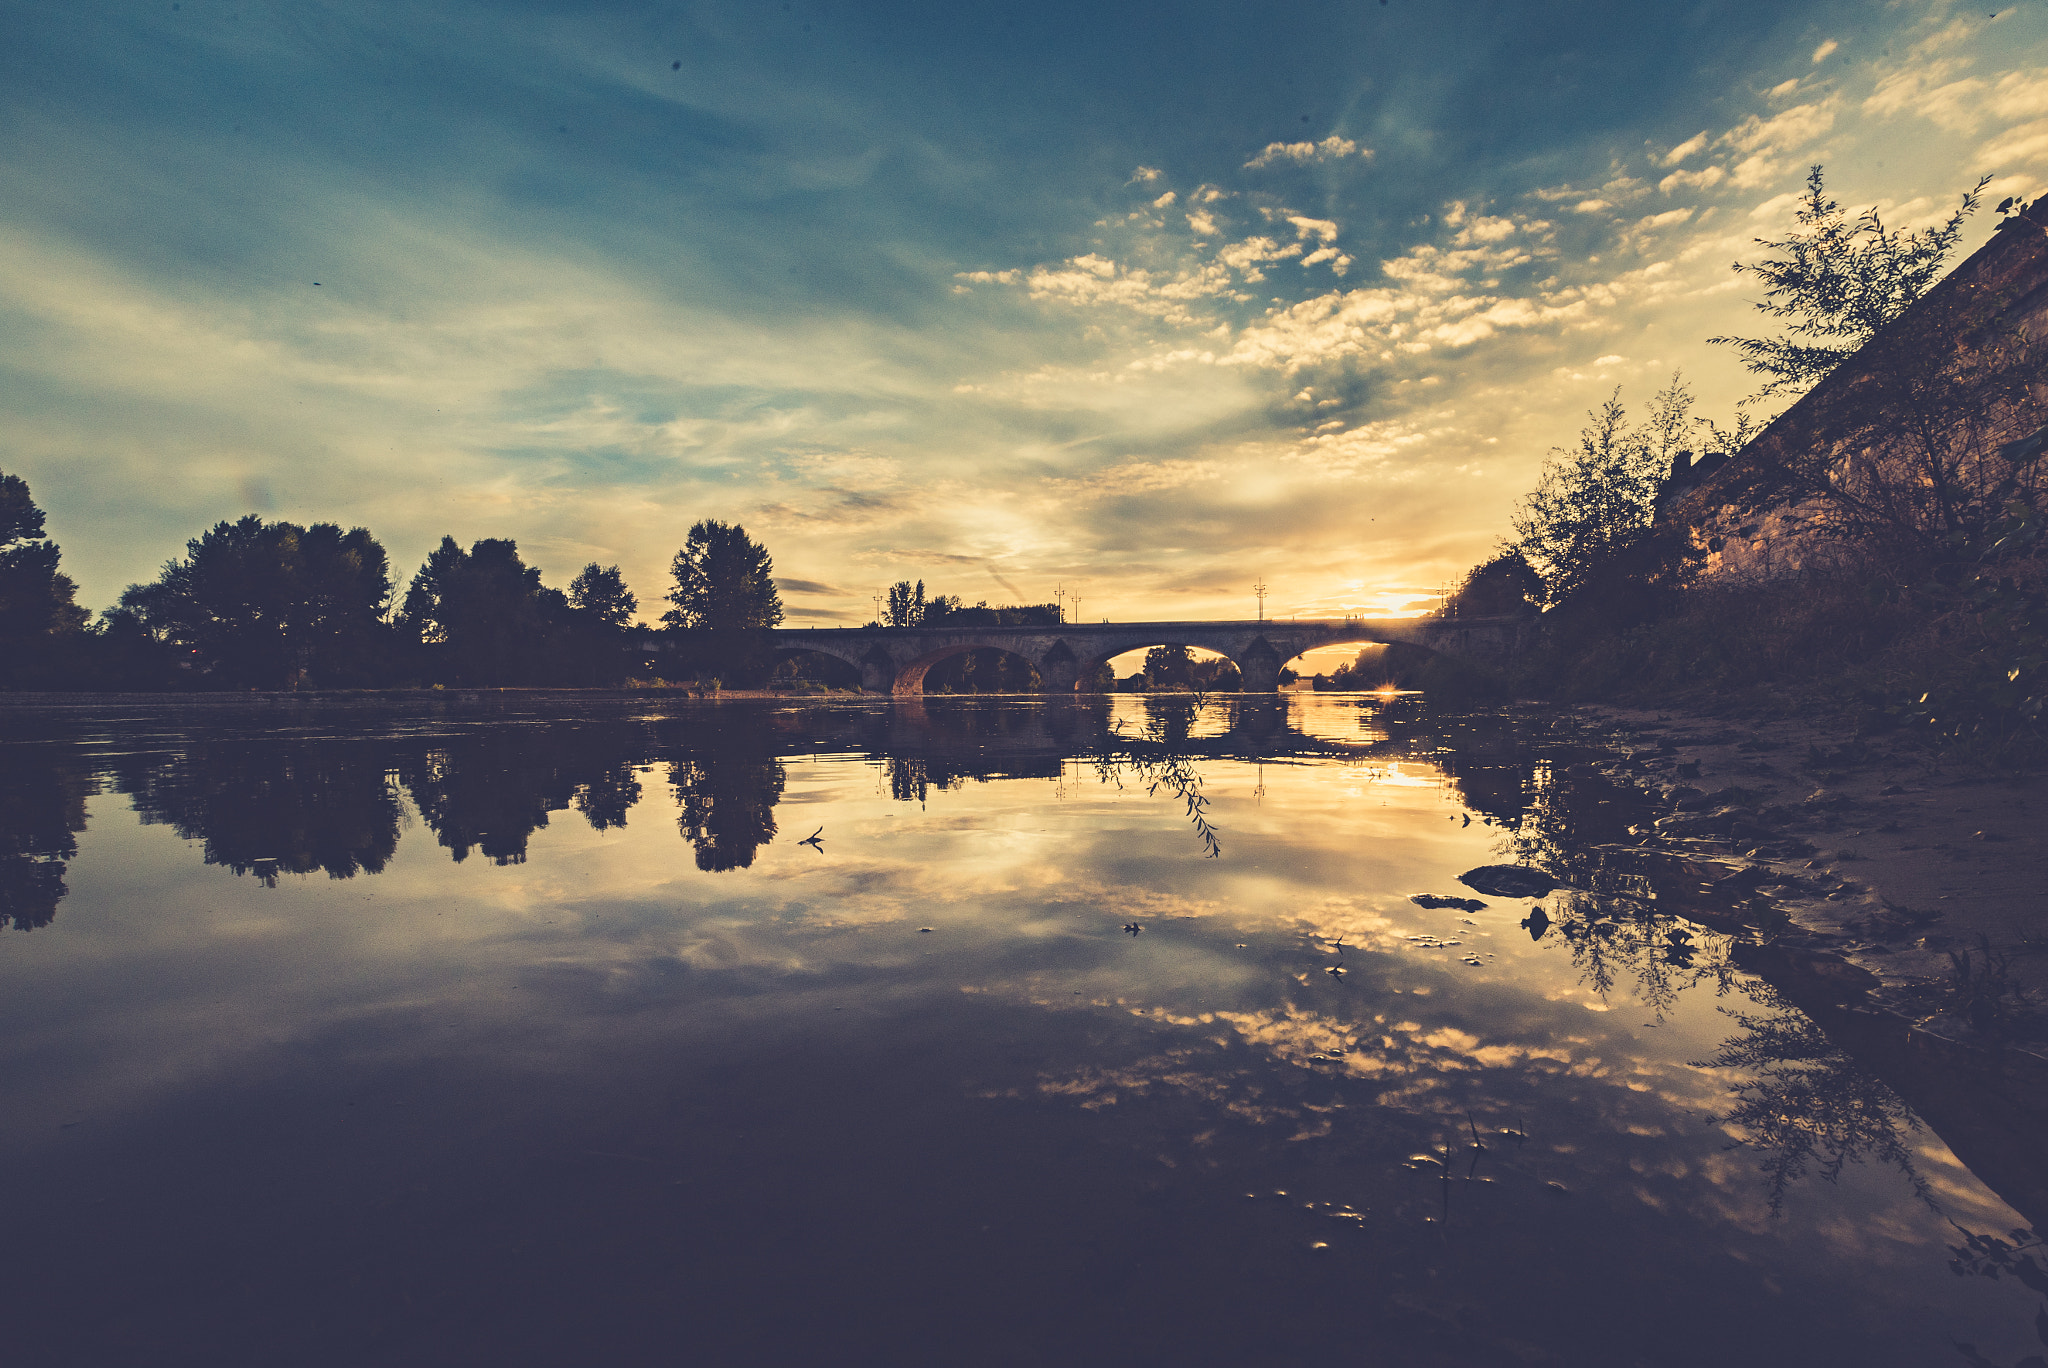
{"x":1331,"y":148}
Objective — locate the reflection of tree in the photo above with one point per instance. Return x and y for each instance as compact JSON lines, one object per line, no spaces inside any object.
{"x":42,"y":807}
{"x":1663,"y":955}
{"x":488,"y":793}
{"x":491,"y":791}
{"x":1607,"y":915}
{"x":2024,"y":1258}
{"x":1805,"y":1103}
{"x":1158,"y":760}
{"x":270,"y":807}
{"x":728,"y":806}
{"x":911,"y":778}
{"x":605,"y":799}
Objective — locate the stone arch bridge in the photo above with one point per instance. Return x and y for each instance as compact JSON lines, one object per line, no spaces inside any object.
{"x":895,"y":659}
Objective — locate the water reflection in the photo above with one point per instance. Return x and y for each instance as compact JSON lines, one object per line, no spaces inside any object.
{"x":42,"y":809}
{"x":1804,"y":1104}
{"x":267,"y":808}
{"x":727,"y":807}
{"x":1104,"y":1030}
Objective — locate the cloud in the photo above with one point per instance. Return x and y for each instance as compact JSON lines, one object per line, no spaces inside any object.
{"x":1247,"y":256}
{"x":1667,"y":219}
{"x":1706,"y":178}
{"x":1322,"y":230}
{"x":1144,"y":175}
{"x":1787,"y":131}
{"x":1591,"y":206}
{"x":1304,"y":153}
{"x":2026,"y":145}
{"x":1691,"y":147}
{"x":804,"y":586}
{"x":1164,"y":201}
{"x":1775,"y":206}
{"x":1821,"y":53}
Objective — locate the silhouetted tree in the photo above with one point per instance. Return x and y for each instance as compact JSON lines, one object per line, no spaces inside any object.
{"x":601,"y":593}
{"x":1168,"y":667}
{"x":724,"y":582}
{"x":272,"y":604}
{"x":483,"y":616}
{"x":1595,"y":505}
{"x":1838,"y":282}
{"x":37,"y":602}
{"x":906,"y":605}
{"x":1503,"y":586}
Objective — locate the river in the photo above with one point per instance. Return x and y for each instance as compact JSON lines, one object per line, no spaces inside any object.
{"x":615,"y":1030}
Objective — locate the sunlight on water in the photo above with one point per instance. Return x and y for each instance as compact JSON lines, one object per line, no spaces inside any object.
{"x":986,"y":1031}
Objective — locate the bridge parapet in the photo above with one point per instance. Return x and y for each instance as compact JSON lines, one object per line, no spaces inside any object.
{"x":895,"y":659}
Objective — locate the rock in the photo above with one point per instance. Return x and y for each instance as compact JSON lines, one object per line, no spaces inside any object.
{"x":1433,"y":903}
{"x":1508,"y":881}
{"x":1695,"y":824}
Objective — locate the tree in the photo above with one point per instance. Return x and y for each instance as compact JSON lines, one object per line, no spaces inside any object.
{"x":1919,"y":390}
{"x":1840,"y":282}
{"x":483,"y":614}
{"x":724,"y":582}
{"x":1504,"y":586}
{"x":1169,"y":667}
{"x":37,"y":602}
{"x":272,"y":604}
{"x":1595,"y":505}
{"x":906,"y":605}
{"x":601,"y":593}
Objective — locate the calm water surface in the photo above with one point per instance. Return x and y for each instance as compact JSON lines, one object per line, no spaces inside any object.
{"x":1104,"y":1032}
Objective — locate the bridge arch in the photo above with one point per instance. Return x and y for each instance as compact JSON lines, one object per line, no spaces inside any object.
{"x":1398,"y":653}
{"x":832,"y":668}
{"x":1088,"y":664}
{"x":912,"y":676}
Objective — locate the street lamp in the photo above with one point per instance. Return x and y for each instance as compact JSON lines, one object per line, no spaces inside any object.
{"x":1260,"y":590}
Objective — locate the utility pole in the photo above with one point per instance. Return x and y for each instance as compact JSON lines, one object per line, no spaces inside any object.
{"x":1059,"y":599}
{"x":1260,"y":590}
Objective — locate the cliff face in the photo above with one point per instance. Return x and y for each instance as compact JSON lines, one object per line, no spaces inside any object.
{"x":1752,"y":522}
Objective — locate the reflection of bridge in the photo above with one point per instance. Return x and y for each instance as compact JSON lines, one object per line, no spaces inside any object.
{"x":895,"y":659}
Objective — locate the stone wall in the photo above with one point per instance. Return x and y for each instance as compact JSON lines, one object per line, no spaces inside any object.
{"x":1746,"y":534}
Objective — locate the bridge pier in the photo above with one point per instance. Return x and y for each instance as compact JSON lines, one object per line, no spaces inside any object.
{"x":877,"y":672}
{"x":1258,"y":667}
{"x":1058,"y":669}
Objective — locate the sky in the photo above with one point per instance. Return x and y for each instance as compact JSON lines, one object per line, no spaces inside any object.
{"x":1142,"y":304}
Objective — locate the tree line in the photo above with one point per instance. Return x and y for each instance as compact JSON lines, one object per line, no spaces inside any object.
{"x":256,"y":604}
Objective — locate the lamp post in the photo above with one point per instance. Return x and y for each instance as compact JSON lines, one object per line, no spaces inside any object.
{"x":1259,"y":589}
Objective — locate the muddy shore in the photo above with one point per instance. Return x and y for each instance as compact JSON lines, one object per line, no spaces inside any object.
{"x":1904,"y":904}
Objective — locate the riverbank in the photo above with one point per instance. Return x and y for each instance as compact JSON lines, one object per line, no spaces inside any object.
{"x":1929,"y":877}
